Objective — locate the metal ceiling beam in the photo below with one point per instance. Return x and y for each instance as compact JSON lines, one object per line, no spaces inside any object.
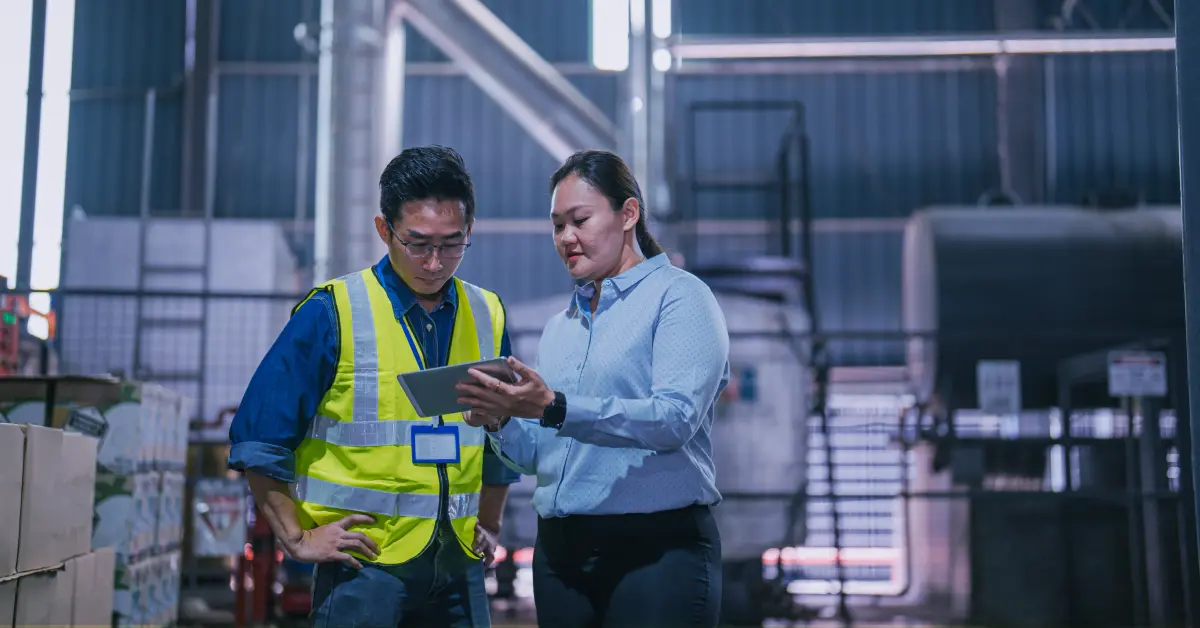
{"x":560,"y":118}
{"x":687,"y":48}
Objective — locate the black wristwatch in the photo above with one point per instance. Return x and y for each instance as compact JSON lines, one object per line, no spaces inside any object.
{"x":555,"y":413}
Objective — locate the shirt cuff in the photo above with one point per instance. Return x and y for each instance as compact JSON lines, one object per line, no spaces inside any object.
{"x":580,"y":416}
{"x":495,"y":472}
{"x":272,"y":461}
{"x":509,"y":431}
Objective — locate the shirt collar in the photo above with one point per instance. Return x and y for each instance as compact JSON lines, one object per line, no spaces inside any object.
{"x":585,"y":290}
{"x":402,"y":297}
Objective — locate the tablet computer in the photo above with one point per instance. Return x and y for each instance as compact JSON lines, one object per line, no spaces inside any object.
{"x":432,"y":391}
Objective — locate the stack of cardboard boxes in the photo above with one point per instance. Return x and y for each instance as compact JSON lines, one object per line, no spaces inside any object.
{"x":138,"y":478}
{"x":49,"y":575}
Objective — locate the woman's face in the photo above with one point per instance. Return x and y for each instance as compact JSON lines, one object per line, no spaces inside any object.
{"x":588,"y":235}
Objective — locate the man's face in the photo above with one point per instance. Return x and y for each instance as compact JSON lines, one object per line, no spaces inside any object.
{"x":421,"y":224}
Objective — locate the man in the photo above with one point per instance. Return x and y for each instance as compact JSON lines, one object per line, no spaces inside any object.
{"x":399,"y":538}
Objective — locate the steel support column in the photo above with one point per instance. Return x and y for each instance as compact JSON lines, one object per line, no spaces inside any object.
{"x":1187,"y":76}
{"x":350,"y":64}
{"x":391,"y":106}
{"x":1019,"y":107}
{"x":644,"y":131}
{"x":636,"y":105}
{"x":33,"y":128}
{"x":199,"y":60}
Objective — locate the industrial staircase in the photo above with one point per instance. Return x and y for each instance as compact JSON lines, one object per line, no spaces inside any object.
{"x":869,"y":471}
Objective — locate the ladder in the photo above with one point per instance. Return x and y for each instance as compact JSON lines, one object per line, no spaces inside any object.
{"x":165,"y":309}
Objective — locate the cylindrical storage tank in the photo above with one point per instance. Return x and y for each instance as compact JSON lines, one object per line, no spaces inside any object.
{"x":759,"y":433}
{"x":1037,"y":285}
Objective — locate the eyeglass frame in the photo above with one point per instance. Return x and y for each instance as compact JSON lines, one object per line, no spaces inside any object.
{"x":431,"y":247}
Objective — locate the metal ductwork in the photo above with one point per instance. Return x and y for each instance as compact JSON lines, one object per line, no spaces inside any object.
{"x":560,"y":118}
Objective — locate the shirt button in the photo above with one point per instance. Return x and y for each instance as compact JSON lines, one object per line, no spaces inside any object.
{"x":428,"y":326}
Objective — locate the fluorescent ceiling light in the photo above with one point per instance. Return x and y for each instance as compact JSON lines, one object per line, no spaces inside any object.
{"x":610,"y":35}
{"x":911,"y":47}
{"x":660,"y":13}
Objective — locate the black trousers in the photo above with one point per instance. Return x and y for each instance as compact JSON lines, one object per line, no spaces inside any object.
{"x":658,"y":570}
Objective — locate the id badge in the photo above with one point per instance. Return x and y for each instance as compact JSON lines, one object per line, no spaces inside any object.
{"x":435,"y":445}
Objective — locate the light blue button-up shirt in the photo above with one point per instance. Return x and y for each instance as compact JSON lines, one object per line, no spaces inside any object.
{"x":641,"y":377}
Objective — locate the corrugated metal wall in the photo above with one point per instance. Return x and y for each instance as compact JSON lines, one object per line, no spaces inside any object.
{"x":883,"y":142}
{"x":1113,"y":124}
{"x":123,"y":48}
{"x":265,"y":165}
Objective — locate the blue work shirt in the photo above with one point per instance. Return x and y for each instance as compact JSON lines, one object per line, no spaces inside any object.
{"x":298,"y":370}
{"x":641,"y":379}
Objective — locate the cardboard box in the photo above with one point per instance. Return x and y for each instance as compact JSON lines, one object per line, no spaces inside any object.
{"x":104,"y":586}
{"x":93,"y":598}
{"x":44,"y":531}
{"x":12,"y":470}
{"x":44,"y":598}
{"x":8,"y":603}
{"x":56,"y":497}
{"x":77,"y":484}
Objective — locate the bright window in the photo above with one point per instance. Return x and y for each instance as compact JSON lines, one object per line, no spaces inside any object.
{"x":52,"y":151}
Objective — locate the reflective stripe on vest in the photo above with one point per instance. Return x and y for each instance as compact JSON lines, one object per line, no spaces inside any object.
{"x":358,"y":499}
{"x":366,"y":355}
{"x":380,"y":433}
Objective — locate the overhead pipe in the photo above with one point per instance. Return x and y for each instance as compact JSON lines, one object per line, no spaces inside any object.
{"x":688,"y":48}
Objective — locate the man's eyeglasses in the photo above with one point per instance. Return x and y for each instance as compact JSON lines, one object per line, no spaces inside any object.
{"x":420,"y":250}
{"x":417,"y":250}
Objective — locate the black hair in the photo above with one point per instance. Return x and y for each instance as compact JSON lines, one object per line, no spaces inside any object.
{"x":425,"y":172}
{"x":609,"y":175}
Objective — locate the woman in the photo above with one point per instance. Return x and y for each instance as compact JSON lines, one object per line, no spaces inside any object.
{"x":616,"y":421}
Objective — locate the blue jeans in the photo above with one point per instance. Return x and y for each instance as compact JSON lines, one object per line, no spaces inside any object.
{"x":441,"y":588}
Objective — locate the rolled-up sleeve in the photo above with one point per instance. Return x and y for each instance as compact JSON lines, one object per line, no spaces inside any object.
{"x":495,"y":471}
{"x":690,"y":365}
{"x":284,"y":392}
{"x":516,"y":445}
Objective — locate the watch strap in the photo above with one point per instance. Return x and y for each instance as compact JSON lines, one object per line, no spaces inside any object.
{"x":555,"y":413}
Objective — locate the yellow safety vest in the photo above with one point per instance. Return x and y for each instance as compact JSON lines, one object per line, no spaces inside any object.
{"x":357,"y":455}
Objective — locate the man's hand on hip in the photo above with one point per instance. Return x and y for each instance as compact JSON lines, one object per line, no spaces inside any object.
{"x":330,"y":542}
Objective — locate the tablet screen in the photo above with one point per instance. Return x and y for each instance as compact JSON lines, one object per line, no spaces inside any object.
{"x":432,"y":392}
